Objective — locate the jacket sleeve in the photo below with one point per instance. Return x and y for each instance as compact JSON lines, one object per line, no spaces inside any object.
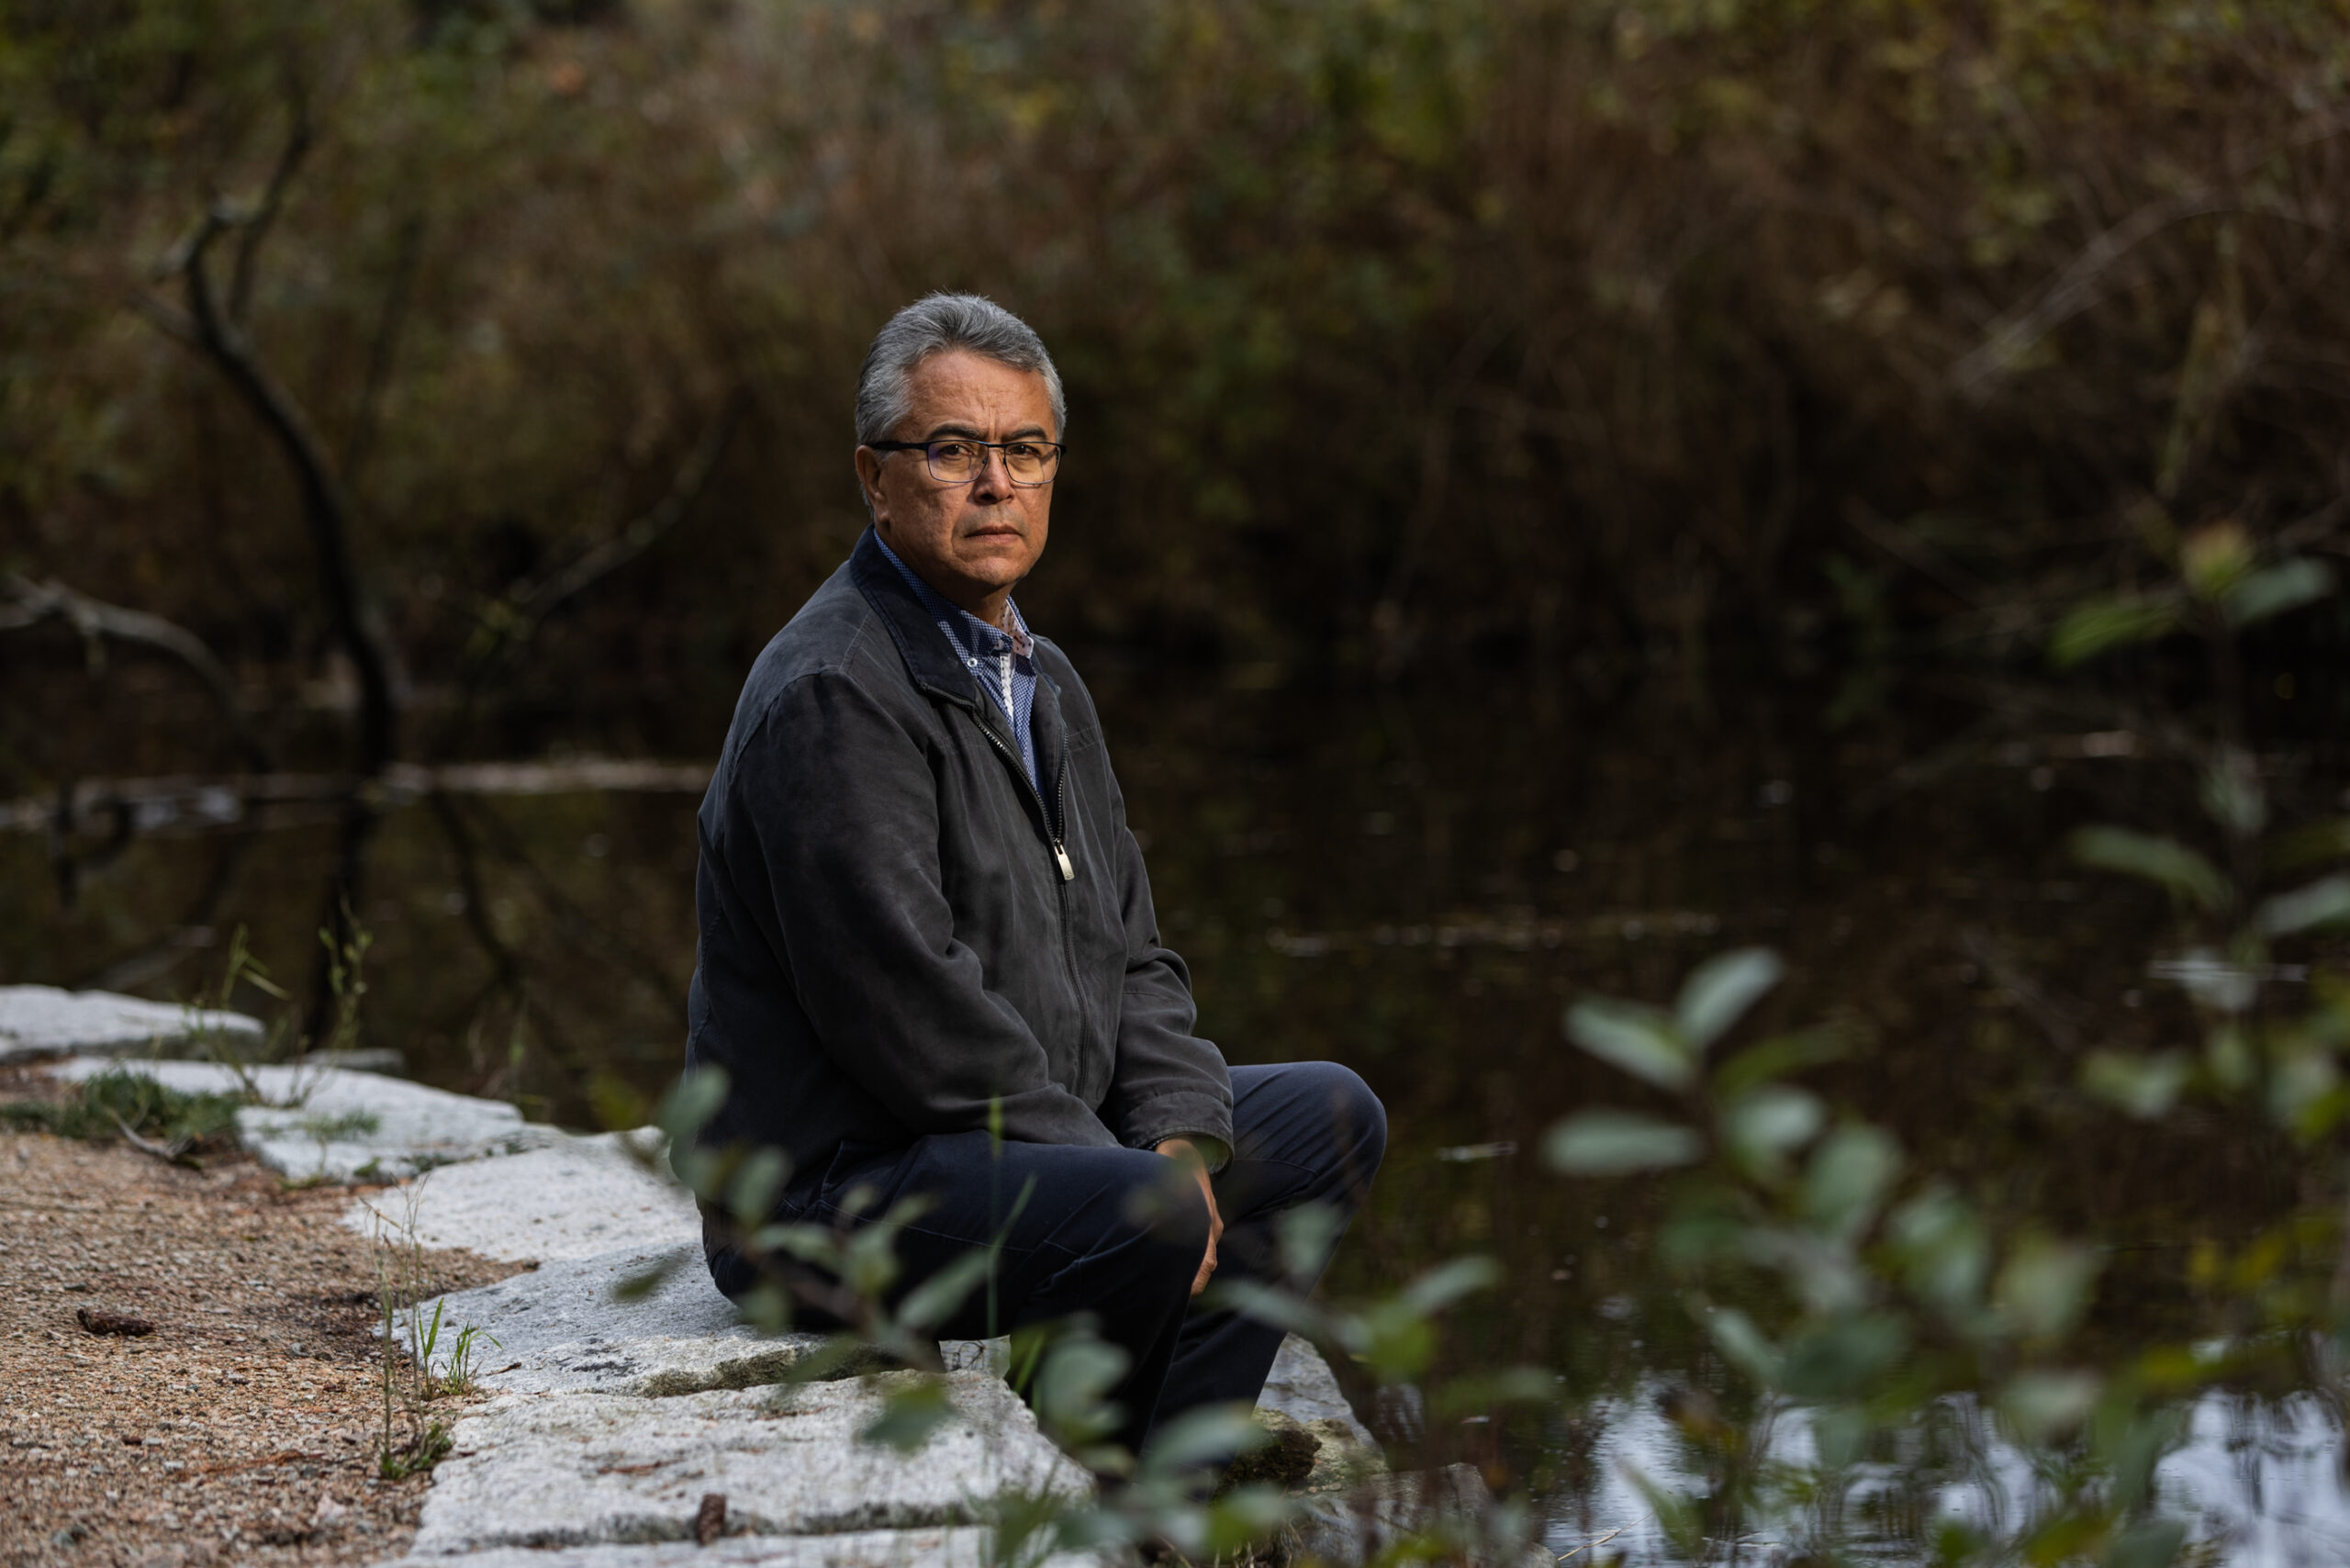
{"x":838,"y":803}
{"x":1168,"y":1082}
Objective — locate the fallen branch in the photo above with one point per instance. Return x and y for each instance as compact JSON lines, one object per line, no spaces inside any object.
{"x":169,"y":1154}
{"x":30,"y":604}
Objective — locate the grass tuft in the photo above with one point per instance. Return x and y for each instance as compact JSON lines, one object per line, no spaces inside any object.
{"x":117,"y":1102}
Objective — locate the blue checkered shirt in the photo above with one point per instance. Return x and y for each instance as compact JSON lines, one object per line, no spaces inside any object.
{"x":1004,"y":663}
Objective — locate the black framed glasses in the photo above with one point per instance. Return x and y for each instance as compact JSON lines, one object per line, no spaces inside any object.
{"x":959,"y":459}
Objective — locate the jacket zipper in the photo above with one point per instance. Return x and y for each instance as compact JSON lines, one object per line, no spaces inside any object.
{"x":1054,"y":822}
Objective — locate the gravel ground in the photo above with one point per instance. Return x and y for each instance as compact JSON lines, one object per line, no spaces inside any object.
{"x":244,"y":1428}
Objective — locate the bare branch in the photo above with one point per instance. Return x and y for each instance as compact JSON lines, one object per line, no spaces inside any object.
{"x":2075,"y":288}
{"x":533,"y":605}
{"x":255,"y":225}
{"x":2079,"y":285}
{"x":326,"y":506}
{"x":28,"y":604}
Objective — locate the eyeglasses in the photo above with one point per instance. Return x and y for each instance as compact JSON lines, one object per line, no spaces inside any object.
{"x":959,"y":460}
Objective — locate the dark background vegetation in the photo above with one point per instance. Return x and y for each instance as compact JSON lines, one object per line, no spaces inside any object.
{"x":1595,"y":346}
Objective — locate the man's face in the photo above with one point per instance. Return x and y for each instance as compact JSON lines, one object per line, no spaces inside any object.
{"x":972,"y":542}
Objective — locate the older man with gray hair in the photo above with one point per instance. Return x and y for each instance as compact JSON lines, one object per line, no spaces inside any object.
{"x":928,"y":961}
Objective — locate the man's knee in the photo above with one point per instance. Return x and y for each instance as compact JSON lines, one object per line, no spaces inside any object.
{"x":1358,"y":1121}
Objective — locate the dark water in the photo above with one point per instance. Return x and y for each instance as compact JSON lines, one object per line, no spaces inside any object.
{"x":1415,"y":885}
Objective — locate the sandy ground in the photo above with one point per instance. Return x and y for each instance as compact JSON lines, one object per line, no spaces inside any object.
{"x":243,"y":1429}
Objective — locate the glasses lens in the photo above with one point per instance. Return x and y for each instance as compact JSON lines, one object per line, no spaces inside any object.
{"x":1028,"y":462}
{"x":955,"y":462}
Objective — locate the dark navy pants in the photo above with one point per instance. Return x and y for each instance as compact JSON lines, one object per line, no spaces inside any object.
{"x":1117,"y":1233}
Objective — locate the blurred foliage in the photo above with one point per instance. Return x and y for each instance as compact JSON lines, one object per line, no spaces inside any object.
{"x":1602,"y":334}
{"x":1906,"y":1316}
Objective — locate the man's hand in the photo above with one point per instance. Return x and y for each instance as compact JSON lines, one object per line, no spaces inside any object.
{"x":1182,"y":1149}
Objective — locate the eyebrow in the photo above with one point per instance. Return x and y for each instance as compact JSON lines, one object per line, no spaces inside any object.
{"x":942,"y":432}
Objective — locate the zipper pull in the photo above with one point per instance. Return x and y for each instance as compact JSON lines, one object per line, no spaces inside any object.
{"x":1068,"y":871}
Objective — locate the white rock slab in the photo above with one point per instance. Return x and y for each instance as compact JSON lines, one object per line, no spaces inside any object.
{"x":562,"y":1329}
{"x":579,"y":1468}
{"x":329,"y":1125}
{"x":967,"y":1546}
{"x":43,"y":1021}
{"x":575,"y":1197}
{"x":1302,"y":1388}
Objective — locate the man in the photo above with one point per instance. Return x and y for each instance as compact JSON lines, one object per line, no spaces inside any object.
{"x":928,"y":959}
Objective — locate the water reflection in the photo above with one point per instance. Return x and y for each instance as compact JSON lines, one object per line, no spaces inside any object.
{"x":2257,"y":1482}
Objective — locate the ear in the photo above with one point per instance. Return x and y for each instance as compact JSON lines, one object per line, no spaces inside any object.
{"x":868,"y":483}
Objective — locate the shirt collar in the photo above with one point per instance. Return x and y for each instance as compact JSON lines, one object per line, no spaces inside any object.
{"x":961,"y":624}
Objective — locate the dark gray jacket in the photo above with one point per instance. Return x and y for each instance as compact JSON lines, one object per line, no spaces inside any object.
{"x":898,"y":929}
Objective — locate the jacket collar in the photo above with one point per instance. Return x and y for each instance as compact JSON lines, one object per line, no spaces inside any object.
{"x":930,"y":657}
{"x":930,"y":661}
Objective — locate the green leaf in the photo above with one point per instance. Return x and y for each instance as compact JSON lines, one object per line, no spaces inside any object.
{"x":2143,"y":1086}
{"x":2045,"y":1287}
{"x":2325,"y":901}
{"x":643,"y":1284}
{"x":809,"y":1243}
{"x":2045,"y":1405}
{"x":1722,"y":989}
{"x":1306,"y":1234}
{"x":767,"y":1307}
{"x":1438,"y":1288}
{"x":2228,"y":1055}
{"x":2186,"y":874}
{"x":1945,"y":1250}
{"x":2286,"y":586}
{"x":1763,"y":1127}
{"x":2327,"y":840}
{"x":1617,"y":1143}
{"x":1207,"y":1435}
{"x":2233,"y":796}
{"x":2216,"y":559}
{"x":930,"y":1303}
{"x":1849,"y":1175}
{"x":2094,"y":628}
{"x":751,"y":1196}
{"x":1270,"y":1303}
{"x":1744,"y":1346}
{"x":2134,"y":1448}
{"x":1072,"y":1388}
{"x":2302,"y":1086}
{"x":909,"y":1417}
{"x":1245,"y":1516}
{"x":2154,"y":1544}
{"x":1779,"y":1056}
{"x":1840,"y":1360}
{"x":1679,"y":1515}
{"x":1638,"y":1039}
{"x":691,"y":1102}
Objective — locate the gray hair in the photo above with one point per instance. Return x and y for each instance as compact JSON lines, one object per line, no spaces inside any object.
{"x":938,"y":323}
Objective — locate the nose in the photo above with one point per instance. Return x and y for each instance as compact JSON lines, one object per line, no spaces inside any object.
{"x":993,"y":481}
